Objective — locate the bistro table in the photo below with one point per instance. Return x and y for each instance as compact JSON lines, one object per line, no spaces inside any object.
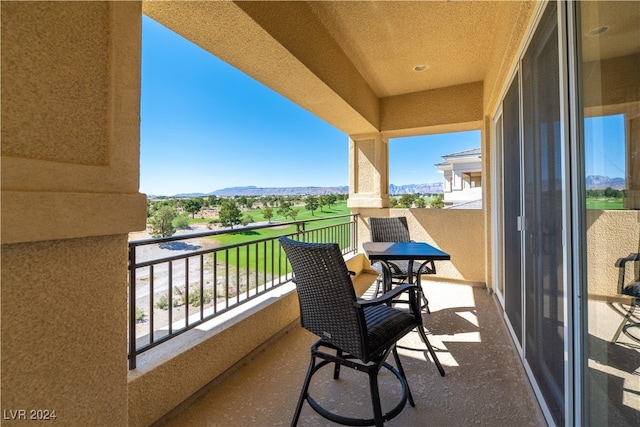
{"x":407,"y":251}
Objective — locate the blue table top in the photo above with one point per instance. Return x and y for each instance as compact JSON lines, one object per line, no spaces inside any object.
{"x":403,"y":251}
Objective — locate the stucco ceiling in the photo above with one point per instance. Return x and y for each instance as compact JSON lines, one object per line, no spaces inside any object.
{"x":386,"y":40}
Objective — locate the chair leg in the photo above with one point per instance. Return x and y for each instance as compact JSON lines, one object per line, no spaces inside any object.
{"x":336,"y":369}
{"x":377,"y":291}
{"x":375,"y":398}
{"x":305,"y":389}
{"x":423,"y":335}
{"x":401,"y":370}
{"x":624,"y":322}
{"x":425,"y":300}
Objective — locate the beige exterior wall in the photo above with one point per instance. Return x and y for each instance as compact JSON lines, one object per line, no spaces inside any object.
{"x":610,"y":235}
{"x":70,"y":142}
{"x":368,"y":171}
{"x":64,"y":329}
{"x":460,"y":233}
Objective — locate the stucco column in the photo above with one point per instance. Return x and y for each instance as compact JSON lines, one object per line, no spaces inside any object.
{"x":368,"y":171}
{"x":70,"y":166}
{"x":633,"y":163}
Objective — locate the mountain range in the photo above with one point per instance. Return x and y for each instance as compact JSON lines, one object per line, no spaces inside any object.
{"x":600,"y":182}
{"x":593,"y":182}
{"x":430,"y":188}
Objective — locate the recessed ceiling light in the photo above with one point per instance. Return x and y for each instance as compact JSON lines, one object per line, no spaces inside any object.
{"x":420,"y":67}
{"x":597,"y":30}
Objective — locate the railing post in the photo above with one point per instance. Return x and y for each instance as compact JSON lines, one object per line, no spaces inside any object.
{"x":132,"y":307}
{"x":300,"y":229}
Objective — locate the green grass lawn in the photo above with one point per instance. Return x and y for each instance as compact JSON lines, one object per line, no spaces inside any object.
{"x":604,"y":204}
{"x":264,"y":256}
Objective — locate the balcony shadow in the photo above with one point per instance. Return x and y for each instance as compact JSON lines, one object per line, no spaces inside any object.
{"x":179,"y":246}
{"x":613,"y":371}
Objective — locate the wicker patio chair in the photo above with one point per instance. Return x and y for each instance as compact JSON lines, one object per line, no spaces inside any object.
{"x":395,"y":229}
{"x":359,"y":334}
{"x":628,"y":285}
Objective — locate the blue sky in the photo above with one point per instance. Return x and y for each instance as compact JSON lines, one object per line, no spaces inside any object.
{"x":604,"y":146}
{"x":207,"y":126}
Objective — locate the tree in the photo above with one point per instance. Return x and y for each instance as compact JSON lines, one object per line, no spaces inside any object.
{"x":323,"y":200}
{"x":311,"y":204}
{"x":180,"y":222}
{"x":285,"y":206}
{"x":437,"y":202}
{"x":213,"y":200}
{"x":193,"y":205}
{"x":161,"y":222}
{"x":247,"y":219}
{"x":292,"y":213}
{"x":406,"y":200}
{"x":229,"y":213}
{"x":420,"y":202}
{"x":242,"y":201}
{"x":267,"y":213}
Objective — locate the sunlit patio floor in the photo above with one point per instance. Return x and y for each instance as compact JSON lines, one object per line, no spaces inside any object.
{"x":485,"y":384}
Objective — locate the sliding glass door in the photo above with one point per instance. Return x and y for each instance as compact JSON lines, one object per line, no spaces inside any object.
{"x":511,"y":180}
{"x":608,"y":154}
{"x":533,"y":214}
{"x":544,"y":185}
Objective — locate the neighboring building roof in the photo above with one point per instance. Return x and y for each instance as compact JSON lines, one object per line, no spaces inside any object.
{"x":476,"y":152}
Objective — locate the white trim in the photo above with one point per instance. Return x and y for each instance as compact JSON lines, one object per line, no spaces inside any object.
{"x":565,"y":123}
{"x":576,"y":240}
{"x":497,"y":204}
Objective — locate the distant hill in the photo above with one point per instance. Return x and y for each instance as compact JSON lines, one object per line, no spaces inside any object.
{"x":593,"y":182}
{"x":280,"y":191}
{"x":429,"y":188}
{"x":600,"y":182}
{"x":394,"y":190}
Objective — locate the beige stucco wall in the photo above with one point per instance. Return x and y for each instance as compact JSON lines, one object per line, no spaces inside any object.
{"x":64,"y":323}
{"x":610,"y":235}
{"x":171,"y":373}
{"x":70,"y":144}
{"x":458,"y":232}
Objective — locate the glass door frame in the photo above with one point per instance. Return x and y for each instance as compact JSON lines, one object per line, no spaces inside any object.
{"x":572,"y":216}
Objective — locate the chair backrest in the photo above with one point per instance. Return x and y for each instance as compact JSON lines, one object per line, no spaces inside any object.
{"x":326,"y":294}
{"x":389,"y":229}
{"x":629,"y":275}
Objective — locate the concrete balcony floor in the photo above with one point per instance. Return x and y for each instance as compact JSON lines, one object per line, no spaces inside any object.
{"x":485,"y":383}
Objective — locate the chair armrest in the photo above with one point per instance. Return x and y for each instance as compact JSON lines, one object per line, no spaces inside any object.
{"x":389,"y":296}
{"x":632,"y":257}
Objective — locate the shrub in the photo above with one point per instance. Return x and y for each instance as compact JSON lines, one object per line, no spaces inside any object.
{"x":139,"y":314}
{"x":180,"y":222}
{"x":195,"y":299}
{"x":162,"y":303}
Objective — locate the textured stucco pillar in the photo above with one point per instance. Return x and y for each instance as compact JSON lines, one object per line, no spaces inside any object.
{"x":70,"y":166}
{"x":368,"y":171}
{"x":633,"y":163}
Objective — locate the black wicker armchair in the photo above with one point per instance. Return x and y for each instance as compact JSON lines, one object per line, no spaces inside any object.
{"x":359,"y":334}
{"x":395,"y":229}
{"x":628,"y":285}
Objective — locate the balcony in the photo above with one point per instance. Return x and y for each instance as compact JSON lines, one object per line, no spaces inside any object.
{"x":220,"y":365}
{"x":485,"y":383}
